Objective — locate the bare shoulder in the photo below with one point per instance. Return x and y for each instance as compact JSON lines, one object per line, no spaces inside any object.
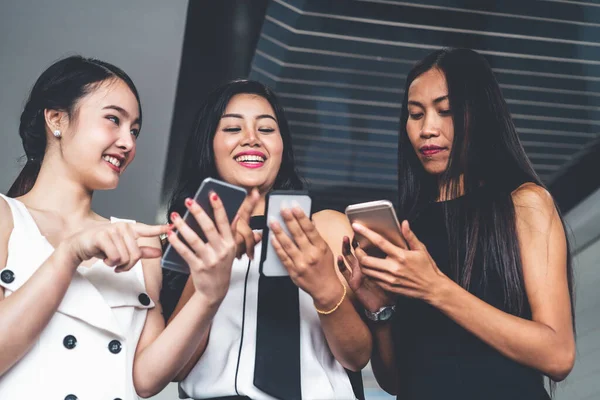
{"x":532,"y":196}
{"x":534,"y":204}
{"x":332,"y":223}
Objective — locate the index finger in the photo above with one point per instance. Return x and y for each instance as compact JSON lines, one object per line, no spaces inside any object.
{"x":307,"y":225}
{"x":245,"y":210}
{"x":143,"y":230}
{"x":379,"y":241}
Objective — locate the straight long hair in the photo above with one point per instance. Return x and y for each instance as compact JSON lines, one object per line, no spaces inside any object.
{"x":486,"y":156}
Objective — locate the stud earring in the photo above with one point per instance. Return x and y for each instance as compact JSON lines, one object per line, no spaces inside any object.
{"x":57,"y":133}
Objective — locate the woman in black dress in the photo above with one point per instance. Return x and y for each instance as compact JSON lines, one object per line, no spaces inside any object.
{"x":483,"y":292}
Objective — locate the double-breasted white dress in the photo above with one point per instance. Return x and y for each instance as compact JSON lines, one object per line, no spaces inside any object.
{"x":86,"y":351}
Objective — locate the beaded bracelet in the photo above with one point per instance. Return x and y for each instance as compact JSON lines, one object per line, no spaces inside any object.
{"x":336,"y":306}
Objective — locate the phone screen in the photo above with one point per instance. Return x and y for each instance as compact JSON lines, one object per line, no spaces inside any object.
{"x":271,"y":265}
{"x":232,"y":197}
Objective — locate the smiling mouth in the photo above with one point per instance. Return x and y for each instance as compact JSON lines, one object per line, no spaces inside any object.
{"x":113,"y":162}
{"x":250,"y":161}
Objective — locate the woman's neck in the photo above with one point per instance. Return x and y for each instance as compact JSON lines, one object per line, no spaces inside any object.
{"x":445,"y":190}
{"x":58,"y":194}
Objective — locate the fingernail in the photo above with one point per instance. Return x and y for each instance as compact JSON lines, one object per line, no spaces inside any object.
{"x":214,"y":196}
{"x":357,"y":227}
{"x":174,"y":216}
{"x":272,"y":220}
{"x":188,"y":202}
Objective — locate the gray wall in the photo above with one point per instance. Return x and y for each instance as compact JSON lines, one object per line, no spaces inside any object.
{"x":584,"y":220}
{"x":144,"y":37}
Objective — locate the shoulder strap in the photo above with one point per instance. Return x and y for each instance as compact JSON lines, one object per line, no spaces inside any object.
{"x":22,"y":219}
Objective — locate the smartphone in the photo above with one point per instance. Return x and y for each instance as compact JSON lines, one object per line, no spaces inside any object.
{"x":379,"y":216}
{"x":270,"y":264}
{"x":232,"y":197}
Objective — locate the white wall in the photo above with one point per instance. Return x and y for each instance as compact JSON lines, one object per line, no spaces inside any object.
{"x":143,"y":37}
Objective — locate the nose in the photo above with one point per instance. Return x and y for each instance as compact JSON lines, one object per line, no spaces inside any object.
{"x":126,"y":141}
{"x":250,"y":137}
{"x":431,"y":127}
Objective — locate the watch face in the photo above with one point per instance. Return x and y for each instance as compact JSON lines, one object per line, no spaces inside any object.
{"x":386,"y":314}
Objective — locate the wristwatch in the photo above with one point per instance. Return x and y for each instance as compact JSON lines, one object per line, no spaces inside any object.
{"x":383,"y":314}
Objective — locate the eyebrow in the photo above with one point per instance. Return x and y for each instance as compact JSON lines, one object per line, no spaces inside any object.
{"x":241,"y":117}
{"x":122,"y":111}
{"x":435,"y":101}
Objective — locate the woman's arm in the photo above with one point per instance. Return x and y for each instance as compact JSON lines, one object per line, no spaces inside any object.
{"x":313,"y":268}
{"x":161,"y":351}
{"x":26,"y":312}
{"x":545,"y":343}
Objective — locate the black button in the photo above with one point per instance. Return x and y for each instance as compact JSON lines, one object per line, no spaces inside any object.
{"x":8,"y":276}
{"x":70,"y":342}
{"x":114,"y":347}
{"x":118,"y":398}
{"x":144,"y":299}
{"x":70,"y":397}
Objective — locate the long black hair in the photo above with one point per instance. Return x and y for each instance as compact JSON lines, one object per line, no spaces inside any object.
{"x":198,"y":160}
{"x":198,"y":163}
{"x":58,"y":88}
{"x":487,"y":157}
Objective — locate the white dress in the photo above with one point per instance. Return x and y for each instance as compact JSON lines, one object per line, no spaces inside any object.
{"x":227,"y":366}
{"x":86,"y":351}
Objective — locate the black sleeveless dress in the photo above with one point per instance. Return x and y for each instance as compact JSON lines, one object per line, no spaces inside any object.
{"x":437,"y":358}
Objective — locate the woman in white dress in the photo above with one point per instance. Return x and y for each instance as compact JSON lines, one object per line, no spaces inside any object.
{"x":264,"y":351}
{"x":79,"y":311}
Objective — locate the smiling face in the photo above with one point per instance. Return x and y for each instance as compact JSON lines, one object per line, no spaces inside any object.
{"x":99,"y":141}
{"x":247,"y":145}
{"x":429,"y":126}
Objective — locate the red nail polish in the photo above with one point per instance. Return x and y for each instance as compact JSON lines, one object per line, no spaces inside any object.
{"x":188,"y":202}
{"x":169,"y":233}
{"x":214,"y":197}
{"x":174,"y":216}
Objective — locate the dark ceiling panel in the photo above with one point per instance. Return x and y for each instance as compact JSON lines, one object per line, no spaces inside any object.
{"x":339,"y":67}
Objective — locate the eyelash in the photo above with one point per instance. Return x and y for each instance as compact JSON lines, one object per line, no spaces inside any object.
{"x":263,"y":130}
{"x":115,"y":120}
{"x":443,"y":113}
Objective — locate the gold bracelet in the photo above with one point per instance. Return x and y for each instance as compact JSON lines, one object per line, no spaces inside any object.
{"x":336,"y":306}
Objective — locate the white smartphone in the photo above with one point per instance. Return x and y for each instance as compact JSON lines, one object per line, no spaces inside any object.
{"x":379,"y":216}
{"x":270,"y":264}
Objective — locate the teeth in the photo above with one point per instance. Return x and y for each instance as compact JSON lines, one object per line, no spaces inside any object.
{"x":248,"y":158}
{"x":114,"y":161}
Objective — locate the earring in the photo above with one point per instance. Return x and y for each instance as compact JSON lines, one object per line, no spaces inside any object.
{"x":57,"y":133}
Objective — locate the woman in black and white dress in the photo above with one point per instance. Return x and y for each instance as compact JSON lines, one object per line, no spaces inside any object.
{"x":242,"y":137}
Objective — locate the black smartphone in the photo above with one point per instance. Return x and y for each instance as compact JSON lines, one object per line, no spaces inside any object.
{"x":232,"y":197}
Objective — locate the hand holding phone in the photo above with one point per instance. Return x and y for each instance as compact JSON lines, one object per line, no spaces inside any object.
{"x":271,"y":265}
{"x":380,"y":217}
{"x":232,"y":197}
